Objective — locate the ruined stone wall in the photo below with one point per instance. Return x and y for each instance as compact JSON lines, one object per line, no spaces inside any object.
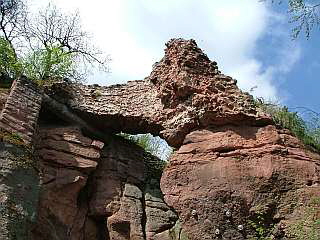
{"x":4,"y":93}
{"x":19,"y":178}
{"x":21,"y":110}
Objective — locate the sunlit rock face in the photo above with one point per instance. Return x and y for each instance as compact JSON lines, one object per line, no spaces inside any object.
{"x":250,"y":171}
{"x":234,"y":174}
{"x":184,"y":91}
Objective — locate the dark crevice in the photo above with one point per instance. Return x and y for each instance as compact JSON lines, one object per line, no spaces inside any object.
{"x":48,"y":118}
{"x":226,"y":150}
{"x":309,"y":183}
{"x":144,"y":215}
{"x":50,"y":181}
{"x":101,"y":223}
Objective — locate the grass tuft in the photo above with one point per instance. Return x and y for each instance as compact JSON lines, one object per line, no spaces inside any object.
{"x":307,"y":132}
{"x":12,"y":138}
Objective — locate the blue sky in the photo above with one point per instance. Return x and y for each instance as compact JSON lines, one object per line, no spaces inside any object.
{"x":250,"y":41}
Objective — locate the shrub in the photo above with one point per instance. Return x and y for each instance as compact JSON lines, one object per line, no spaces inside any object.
{"x":308,"y":133}
{"x":46,"y":65}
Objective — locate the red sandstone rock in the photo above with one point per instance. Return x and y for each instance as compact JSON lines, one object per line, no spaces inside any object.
{"x":120,"y":161}
{"x":132,"y":208}
{"x":113,"y":203}
{"x":248,"y":170}
{"x":3,"y":97}
{"x":184,"y":91}
{"x":66,"y":159}
{"x":233,"y":165}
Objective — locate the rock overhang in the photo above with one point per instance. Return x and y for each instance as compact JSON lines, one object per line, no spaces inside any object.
{"x":184,"y":91}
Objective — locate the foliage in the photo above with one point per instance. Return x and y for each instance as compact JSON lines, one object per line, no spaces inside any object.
{"x":154,"y":145}
{"x":261,"y":227}
{"x":53,"y":30}
{"x":48,"y":46}
{"x":308,"y":227}
{"x":9,"y":66}
{"x":12,"y":19}
{"x":305,"y":15}
{"x":48,"y":64}
{"x":309,"y":134}
{"x":97,"y":93}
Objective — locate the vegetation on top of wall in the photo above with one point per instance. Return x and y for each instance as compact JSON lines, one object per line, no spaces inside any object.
{"x":153,"y":145}
{"x":157,"y":153}
{"x":307,"y":131}
{"x":4,"y":86}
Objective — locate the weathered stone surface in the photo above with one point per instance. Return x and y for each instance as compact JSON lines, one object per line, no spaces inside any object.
{"x":185,"y":91}
{"x":132,"y":208}
{"x":101,"y":201}
{"x":4,"y":93}
{"x":19,"y":191}
{"x":66,"y":159}
{"x":159,"y":217}
{"x":235,"y":174}
{"x":175,"y":233}
{"x":67,"y":147}
{"x":127,"y":223}
{"x":121,"y":163}
{"x":250,"y":171}
{"x":20,"y":112}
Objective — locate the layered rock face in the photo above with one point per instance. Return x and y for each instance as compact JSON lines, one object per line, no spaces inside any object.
{"x":20,"y":112}
{"x":252,"y":172}
{"x":235,"y":174}
{"x":126,"y":194}
{"x":66,"y":160}
{"x":93,"y":192}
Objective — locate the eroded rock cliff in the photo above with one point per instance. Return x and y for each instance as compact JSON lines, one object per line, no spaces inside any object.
{"x":261,"y":175}
{"x":235,"y":174}
{"x":185,"y":91}
{"x":94,"y":192}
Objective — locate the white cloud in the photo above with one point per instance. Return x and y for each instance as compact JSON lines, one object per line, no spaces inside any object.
{"x":134,"y":33}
